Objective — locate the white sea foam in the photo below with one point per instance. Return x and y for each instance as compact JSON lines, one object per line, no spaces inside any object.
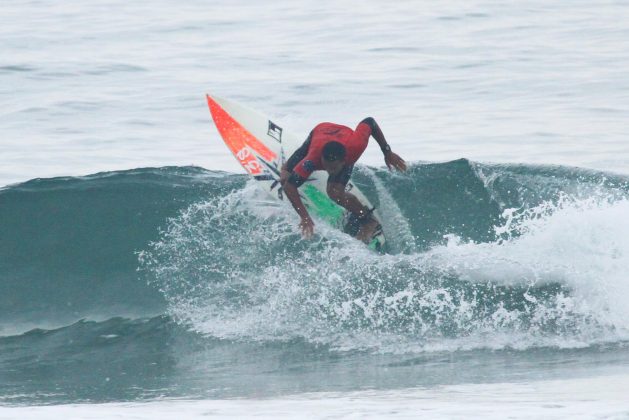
{"x":556,"y":277}
{"x":583,"y":244}
{"x":603,"y":397}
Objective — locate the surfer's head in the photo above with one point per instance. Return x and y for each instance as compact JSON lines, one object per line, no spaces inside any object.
{"x":333,"y":157}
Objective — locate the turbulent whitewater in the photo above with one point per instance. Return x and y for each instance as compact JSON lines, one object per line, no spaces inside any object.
{"x":181,"y":281}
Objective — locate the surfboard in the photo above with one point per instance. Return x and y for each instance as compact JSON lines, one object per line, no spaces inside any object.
{"x":261,"y":146}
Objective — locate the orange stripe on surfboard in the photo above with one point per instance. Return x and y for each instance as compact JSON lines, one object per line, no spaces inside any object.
{"x":235,"y":135}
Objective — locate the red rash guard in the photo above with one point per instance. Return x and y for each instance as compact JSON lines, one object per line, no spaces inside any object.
{"x":355,"y":142}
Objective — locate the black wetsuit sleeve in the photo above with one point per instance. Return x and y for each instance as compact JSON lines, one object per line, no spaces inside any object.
{"x":370,"y":122}
{"x":376,"y":132}
{"x":299,"y":154}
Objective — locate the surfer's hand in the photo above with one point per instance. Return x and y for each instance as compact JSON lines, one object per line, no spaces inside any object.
{"x":307,"y":227}
{"x":394,"y":161}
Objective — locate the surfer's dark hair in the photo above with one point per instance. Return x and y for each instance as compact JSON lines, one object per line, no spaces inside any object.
{"x":333,"y":151}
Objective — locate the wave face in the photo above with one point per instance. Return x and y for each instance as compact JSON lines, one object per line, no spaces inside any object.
{"x":480,"y":256}
{"x":183,"y":274}
{"x":68,"y":245}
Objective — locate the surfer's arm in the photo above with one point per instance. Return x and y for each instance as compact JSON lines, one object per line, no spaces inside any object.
{"x":290,"y":189}
{"x":390,"y":158}
{"x":295,"y":158}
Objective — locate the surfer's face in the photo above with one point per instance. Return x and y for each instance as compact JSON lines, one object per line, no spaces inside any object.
{"x":333,"y":167}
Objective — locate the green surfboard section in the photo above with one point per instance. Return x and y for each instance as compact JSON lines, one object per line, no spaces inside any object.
{"x":329,"y":211}
{"x":323,"y":207}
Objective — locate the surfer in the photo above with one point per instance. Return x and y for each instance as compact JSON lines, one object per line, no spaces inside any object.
{"x":335,"y":149}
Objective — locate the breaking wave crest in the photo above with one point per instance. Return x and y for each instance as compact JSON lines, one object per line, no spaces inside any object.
{"x":487,"y":256}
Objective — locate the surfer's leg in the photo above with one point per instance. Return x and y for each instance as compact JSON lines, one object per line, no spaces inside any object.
{"x":361,"y":224}
{"x":336,"y":191}
{"x":366,"y":231}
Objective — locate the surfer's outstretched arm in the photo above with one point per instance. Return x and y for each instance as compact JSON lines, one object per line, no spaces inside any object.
{"x":391,"y":159}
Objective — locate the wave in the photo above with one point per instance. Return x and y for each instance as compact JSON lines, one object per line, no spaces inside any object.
{"x":484,"y":256}
{"x":112,"y":360}
{"x":155,"y":359}
{"x":68,"y":245}
{"x":480,"y":255}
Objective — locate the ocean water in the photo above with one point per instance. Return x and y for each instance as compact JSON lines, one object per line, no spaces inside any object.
{"x":142,"y":274}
